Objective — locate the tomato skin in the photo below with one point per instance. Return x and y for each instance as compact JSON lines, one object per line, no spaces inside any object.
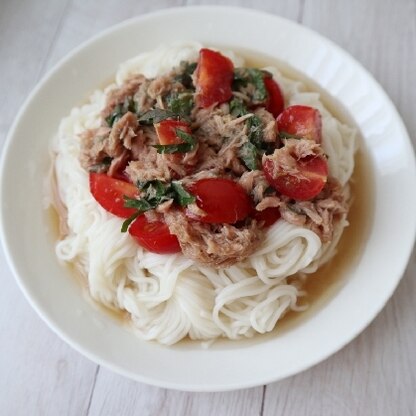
{"x":166,"y":131}
{"x":214,"y":76}
{"x":109,"y":192}
{"x":223,"y":200}
{"x":275,"y":103}
{"x":154,"y":236}
{"x":307,"y":185}
{"x":301,"y":121}
{"x":268,"y":216}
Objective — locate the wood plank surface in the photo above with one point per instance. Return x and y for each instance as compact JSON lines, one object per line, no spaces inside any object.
{"x":373,"y":375}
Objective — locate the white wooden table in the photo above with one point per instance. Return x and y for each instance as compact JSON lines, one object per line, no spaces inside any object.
{"x":374,"y":375}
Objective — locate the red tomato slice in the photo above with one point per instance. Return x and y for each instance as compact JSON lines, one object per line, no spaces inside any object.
{"x":311,"y":180}
{"x":166,"y":131}
{"x":268,"y":216}
{"x":214,"y":76}
{"x":109,"y":192}
{"x":275,"y":102}
{"x":223,"y":200}
{"x":154,"y":236}
{"x":302,"y":121}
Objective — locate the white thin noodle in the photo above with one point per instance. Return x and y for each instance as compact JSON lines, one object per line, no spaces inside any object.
{"x":169,"y":296}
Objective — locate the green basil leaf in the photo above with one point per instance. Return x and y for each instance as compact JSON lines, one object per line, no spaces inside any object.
{"x":249,"y":155}
{"x":237,"y":108}
{"x":256,"y":77}
{"x":126,"y":224}
{"x":141,"y":204}
{"x":240,"y":79}
{"x":182,"y":197}
{"x":255,"y":131}
{"x":120,"y":109}
{"x":153,"y":193}
{"x":185,"y":77}
{"x":181,"y":103}
{"x":156,"y":115}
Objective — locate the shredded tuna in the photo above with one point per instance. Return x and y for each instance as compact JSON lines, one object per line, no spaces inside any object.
{"x":119,"y":163}
{"x":119,"y":95}
{"x":213,"y":245}
{"x":320,"y":215}
{"x":268,"y":202}
{"x":285,"y":158}
{"x":218,"y":150}
{"x":254,"y":183}
{"x":123,"y":131}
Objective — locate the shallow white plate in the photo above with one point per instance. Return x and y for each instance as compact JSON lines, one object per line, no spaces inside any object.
{"x":56,"y":296}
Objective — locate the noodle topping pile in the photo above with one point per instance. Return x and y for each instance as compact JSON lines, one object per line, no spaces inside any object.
{"x":202,"y":160}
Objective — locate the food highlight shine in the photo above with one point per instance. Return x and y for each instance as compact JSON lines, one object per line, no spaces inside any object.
{"x":197,"y":193}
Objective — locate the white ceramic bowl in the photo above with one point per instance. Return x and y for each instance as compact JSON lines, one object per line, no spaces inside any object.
{"x":55,"y":295}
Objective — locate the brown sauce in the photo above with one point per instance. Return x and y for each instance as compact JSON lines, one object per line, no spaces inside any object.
{"x":322,"y":285}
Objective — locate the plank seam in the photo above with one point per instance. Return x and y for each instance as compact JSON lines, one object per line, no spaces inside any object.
{"x":92,"y":390}
{"x":263,"y":397}
{"x":299,"y":18}
{"x":54,"y":39}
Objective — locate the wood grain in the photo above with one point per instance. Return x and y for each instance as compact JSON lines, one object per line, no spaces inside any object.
{"x":110,"y":391}
{"x":373,"y":375}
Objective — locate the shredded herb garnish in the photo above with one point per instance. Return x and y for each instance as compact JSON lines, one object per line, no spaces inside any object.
{"x":156,"y":115}
{"x":185,"y":77}
{"x":188,"y":145}
{"x":237,"y":108}
{"x":249,"y":154}
{"x":120,"y":109}
{"x":251,"y":151}
{"x":180,"y":103}
{"x":254,"y":76}
{"x":153,"y":193}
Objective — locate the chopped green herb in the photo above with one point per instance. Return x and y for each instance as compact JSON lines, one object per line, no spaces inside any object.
{"x":188,"y":145}
{"x":245,"y":76}
{"x":126,"y":224}
{"x":153,"y":193}
{"x":255,"y":131}
{"x":185,"y":77}
{"x":120,"y":109}
{"x":180,"y":103}
{"x":237,"y":107}
{"x":240,"y":79}
{"x":256,"y":77}
{"x":182,"y":197}
{"x":156,"y":115}
{"x":249,"y":155}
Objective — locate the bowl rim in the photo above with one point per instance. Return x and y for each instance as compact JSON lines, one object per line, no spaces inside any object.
{"x":108,"y":32}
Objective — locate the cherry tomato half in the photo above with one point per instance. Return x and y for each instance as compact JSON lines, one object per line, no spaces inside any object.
{"x":109,"y":192}
{"x":275,"y":103}
{"x":313,"y":173}
{"x":214,"y":76}
{"x":223,"y":200}
{"x":268,"y":216}
{"x":301,"y":121}
{"x":154,"y":236}
{"x":166,"y":131}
